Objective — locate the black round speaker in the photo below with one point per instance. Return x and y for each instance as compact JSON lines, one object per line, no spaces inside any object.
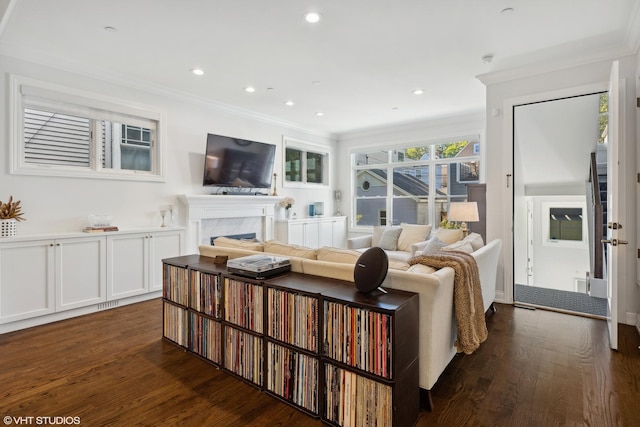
{"x":371,"y":269}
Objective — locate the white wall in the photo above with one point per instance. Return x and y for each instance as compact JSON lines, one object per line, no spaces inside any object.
{"x":442,"y":129}
{"x":63,"y":204}
{"x":505,"y":91}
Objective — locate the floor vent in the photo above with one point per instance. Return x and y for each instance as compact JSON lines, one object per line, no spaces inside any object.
{"x":107,"y":305}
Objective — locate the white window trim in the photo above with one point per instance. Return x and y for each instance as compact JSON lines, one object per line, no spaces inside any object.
{"x":51,"y":92}
{"x":298,"y":144}
{"x":545,"y":221}
{"x":432,"y":162}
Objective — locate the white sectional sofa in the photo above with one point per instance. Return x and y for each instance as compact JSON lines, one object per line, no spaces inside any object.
{"x":437,"y":329}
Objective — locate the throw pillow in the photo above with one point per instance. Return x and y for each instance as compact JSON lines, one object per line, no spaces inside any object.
{"x":389,"y":239}
{"x":447,"y":235}
{"x":461,"y":246}
{"x":434,"y":245}
{"x":412,"y":233}
{"x":475,"y":240}
{"x":377,"y":233}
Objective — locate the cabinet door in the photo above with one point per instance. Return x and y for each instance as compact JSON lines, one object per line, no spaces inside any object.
{"x":339,"y":232}
{"x":326,"y":233}
{"x":162,"y":245}
{"x":296,"y":233}
{"x":81,"y":277}
{"x":27,"y":287}
{"x":127,"y":265}
{"x":311,"y":234}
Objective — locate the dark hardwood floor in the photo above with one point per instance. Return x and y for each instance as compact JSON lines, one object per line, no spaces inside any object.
{"x":538,"y":368}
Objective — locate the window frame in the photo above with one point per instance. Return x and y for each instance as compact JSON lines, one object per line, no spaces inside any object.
{"x":27,"y":92}
{"x":306,"y":147}
{"x":432,"y":163}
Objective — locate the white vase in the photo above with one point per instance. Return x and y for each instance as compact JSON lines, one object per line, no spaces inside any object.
{"x":288,"y":213}
{"x":8,"y":227}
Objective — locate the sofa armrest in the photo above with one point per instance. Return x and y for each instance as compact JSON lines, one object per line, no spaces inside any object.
{"x":487,"y":258}
{"x":417,"y":248}
{"x":359,"y":242}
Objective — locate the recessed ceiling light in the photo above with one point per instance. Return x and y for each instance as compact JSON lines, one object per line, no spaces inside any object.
{"x":418,"y":92}
{"x":394,"y":108}
{"x":110,"y":29}
{"x":312,"y":17}
{"x":288,"y":103}
{"x":319,"y":114}
{"x":197,"y":71}
{"x":507,"y":11}
{"x":316,"y":82}
{"x":249,"y":89}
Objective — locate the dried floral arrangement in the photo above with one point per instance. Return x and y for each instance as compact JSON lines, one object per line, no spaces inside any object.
{"x":287,"y":202}
{"x":11,"y":210}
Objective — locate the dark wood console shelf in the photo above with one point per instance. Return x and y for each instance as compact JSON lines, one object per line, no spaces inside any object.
{"x":313,"y":342}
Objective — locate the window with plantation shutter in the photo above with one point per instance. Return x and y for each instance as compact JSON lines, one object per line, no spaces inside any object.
{"x":61,"y":131}
{"x":56,"y":139}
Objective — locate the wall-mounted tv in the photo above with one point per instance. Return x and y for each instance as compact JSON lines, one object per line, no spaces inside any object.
{"x":233,"y":162}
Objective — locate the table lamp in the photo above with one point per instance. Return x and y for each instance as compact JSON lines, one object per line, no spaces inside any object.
{"x":463,"y":212}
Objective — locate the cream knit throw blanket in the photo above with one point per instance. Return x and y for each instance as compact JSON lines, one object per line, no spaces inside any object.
{"x":467,"y":296}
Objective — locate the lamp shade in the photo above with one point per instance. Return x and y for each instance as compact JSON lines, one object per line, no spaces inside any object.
{"x":463,"y":211}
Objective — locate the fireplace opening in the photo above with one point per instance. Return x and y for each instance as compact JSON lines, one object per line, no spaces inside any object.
{"x":243,"y":236}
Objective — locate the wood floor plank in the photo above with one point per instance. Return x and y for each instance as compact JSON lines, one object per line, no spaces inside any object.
{"x":537,"y":368}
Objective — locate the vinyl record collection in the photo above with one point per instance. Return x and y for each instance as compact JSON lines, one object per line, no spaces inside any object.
{"x":293,"y":318}
{"x":243,"y":354}
{"x":293,"y":375}
{"x":205,"y":337}
{"x":358,"y":337}
{"x":175,"y":324}
{"x":243,"y":305}
{"x":175,"y":284}
{"x":353,"y":400}
{"x":206,"y":293}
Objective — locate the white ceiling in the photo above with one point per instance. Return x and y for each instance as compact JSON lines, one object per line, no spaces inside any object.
{"x":367,"y":57}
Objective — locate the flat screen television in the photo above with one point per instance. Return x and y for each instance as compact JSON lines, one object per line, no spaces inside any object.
{"x":240,"y":163}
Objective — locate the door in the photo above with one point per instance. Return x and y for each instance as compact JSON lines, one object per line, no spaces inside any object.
{"x":81,"y":277}
{"x":615,"y":245}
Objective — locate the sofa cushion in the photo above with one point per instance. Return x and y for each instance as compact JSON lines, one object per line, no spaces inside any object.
{"x":398,"y":265}
{"x":279,"y":248}
{"x":389,"y":239}
{"x":342,"y":256}
{"x":434,"y":245}
{"x":448,"y":235}
{"x":226,"y":242}
{"x":461,"y":246}
{"x":412,"y":233}
{"x":421,"y":269}
{"x":475,"y":240}
{"x":401,"y":256}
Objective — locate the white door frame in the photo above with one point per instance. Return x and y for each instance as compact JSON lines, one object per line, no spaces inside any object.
{"x":508,"y":132}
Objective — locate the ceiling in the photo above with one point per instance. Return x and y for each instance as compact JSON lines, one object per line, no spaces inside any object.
{"x":359,"y":65}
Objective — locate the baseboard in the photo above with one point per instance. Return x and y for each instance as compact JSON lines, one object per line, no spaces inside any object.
{"x":67,"y":314}
{"x":500,"y":297}
{"x":632,"y":319}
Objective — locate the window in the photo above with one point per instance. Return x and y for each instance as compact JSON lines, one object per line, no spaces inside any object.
{"x":565,"y":224}
{"x":64,"y":132}
{"x":305,"y":163}
{"x":413,"y":184}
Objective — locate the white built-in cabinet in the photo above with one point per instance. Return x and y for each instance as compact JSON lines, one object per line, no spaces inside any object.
{"x":313,"y":232}
{"x":42,"y":277}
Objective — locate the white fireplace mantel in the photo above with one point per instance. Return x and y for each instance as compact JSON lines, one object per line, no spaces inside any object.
{"x":203,"y":207}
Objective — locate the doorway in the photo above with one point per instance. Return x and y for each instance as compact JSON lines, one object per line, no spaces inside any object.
{"x":553,"y":145}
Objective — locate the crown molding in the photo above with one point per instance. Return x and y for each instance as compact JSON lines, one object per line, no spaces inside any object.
{"x":121,"y":79}
{"x":501,"y":76}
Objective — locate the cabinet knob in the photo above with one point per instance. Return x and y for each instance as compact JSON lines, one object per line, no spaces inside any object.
{"x":51,"y":244}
